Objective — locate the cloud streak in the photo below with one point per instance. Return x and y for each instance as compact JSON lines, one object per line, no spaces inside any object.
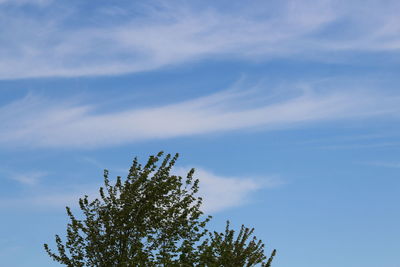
{"x":175,"y":33}
{"x":38,"y":122}
{"x":24,"y":2}
{"x":27,"y":178}
{"x":30,"y":178}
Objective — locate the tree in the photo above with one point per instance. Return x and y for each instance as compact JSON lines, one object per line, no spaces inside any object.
{"x":152,"y":218}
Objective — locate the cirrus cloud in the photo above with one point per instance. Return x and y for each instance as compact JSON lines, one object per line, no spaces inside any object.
{"x":130,"y":39}
{"x":38,"y":122}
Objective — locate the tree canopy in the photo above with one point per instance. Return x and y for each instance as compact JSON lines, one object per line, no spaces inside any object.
{"x":152,"y":218}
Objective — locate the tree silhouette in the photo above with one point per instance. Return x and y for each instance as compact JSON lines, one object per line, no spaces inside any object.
{"x":152,"y":218}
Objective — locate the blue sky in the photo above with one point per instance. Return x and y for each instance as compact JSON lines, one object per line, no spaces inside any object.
{"x":288,"y":110}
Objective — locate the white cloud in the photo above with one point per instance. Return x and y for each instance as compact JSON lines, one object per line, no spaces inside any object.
{"x":29,"y":178}
{"x":177,"y":33}
{"x":220,"y":192}
{"x":25,"y":2}
{"x":38,"y":122}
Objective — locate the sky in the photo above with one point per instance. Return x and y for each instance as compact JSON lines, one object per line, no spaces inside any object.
{"x":288,"y":110}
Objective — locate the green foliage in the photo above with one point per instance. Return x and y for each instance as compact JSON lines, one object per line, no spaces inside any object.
{"x":152,"y":218}
{"x":222,"y":249}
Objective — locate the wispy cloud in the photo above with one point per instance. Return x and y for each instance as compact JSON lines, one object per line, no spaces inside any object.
{"x":131,"y":39}
{"x":218,"y":192}
{"x":25,"y":2}
{"x":38,"y":122}
{"x":29,"y":178}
